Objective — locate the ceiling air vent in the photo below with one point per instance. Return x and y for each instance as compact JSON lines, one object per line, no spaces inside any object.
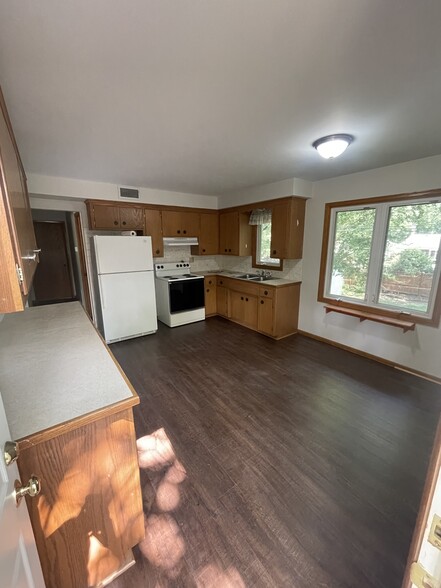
{"x":129,"y":193}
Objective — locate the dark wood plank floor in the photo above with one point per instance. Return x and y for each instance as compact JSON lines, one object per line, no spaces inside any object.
{"x":288,"y":463}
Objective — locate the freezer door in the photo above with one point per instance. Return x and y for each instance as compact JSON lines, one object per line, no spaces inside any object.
{"x":116,"y":254}
{"x":128,"y":305}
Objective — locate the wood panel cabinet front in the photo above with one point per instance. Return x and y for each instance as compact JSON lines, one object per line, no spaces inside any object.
{"x":88,"y":514}
{"x":18,"y":248}
{"x":180,"y":224}
{"x":222,"y":299}
{"x":107,"y":217}
{"x":132,"y":218}
{"x":153,"y":228}
{"x":234,"y":233}
{"x":265,"y":316}
{"x":287,"y":226}
{"x":104,"y":217}
{"x":210,"y":295}
{"x":243,"y":308}
{"x":208,"y":235}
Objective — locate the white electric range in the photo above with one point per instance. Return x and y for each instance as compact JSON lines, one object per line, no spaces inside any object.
{"x":179,"y":294}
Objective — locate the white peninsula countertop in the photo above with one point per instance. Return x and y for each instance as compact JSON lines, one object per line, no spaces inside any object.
{"x":55,"y":368}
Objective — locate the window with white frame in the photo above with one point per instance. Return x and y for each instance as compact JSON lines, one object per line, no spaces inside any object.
{"x":263,"y":246}
{"x":384,"y":255}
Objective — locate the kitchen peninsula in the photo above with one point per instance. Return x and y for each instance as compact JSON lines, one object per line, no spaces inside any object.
{"x":69,"y":407}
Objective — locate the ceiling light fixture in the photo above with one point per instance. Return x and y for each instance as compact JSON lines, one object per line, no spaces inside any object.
{"x":332,"y":145}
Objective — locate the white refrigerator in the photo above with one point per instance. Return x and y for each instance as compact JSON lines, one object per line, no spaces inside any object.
{"x":124,"y":286}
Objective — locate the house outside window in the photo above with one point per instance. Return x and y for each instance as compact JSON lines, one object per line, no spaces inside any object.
{"x":384,"y":255}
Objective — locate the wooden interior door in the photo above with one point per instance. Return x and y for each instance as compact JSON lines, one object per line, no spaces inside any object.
{"x":53,"y":280}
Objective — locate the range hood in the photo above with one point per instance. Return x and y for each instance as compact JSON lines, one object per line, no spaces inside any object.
{"x":180,"y":241}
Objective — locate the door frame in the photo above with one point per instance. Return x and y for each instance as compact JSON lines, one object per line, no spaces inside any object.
{"x":83,"y":264}
{"x":425,"y":506}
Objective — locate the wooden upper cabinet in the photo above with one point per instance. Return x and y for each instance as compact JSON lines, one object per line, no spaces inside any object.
{"x":153,"y":228}
{"x":132,"y":218}
{"x":103,"y":216}
{"x":287,"y":226}
{"x":107,"y":217}
{"x":208,"y":235}
{"x":234,"y":233}
{"x":180,"y":224}
{"x":18,"y":248}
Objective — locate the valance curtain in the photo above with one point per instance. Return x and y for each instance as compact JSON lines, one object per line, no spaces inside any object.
{"x":260,"y":216}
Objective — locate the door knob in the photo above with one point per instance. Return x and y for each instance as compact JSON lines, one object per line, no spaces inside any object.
{"x":10,"y":452}
{"x":31,"y":256}
{"x":32,"y":489}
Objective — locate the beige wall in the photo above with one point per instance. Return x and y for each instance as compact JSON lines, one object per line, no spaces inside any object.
{"x":417,"y":350}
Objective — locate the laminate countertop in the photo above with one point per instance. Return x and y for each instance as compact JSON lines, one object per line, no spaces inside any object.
{"x":277,"y":282}
{"x":54,"y":368}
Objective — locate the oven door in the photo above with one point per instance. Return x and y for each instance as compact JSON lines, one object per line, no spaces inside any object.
{"x":186,"y":294}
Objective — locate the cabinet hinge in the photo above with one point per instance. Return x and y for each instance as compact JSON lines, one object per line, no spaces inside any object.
{"x":19,"y":274}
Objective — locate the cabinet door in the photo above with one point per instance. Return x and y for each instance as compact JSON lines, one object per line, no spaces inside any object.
{"x":250,"y":311}
{"x":153,"y":228}
{"x":210,"y":295}
{"x":132,"y":218}
{"x":17,"y":239}
{"x":180,"y":224}
{"x":243,"y":308}
{"x":222,"y":301}
{"x":229,"y":233}
{"x":265,"y":318}
{"x":209,"y":234}
{"x":105,"y":217}
{"x":279,"y":232}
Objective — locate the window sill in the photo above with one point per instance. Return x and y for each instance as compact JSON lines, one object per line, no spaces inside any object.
{"x":368,"y":316}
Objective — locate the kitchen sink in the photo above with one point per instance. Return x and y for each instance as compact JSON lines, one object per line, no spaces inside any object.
{"x":261,"y":278}
{"x":255,"y":277}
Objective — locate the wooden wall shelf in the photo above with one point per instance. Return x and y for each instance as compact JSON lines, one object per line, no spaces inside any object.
{"x":377,"y":318}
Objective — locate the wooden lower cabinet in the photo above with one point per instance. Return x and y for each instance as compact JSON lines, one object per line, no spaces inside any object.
{"x":243,"y":309}
{"x":265,"y":316}
{"x":88,"y":514}
{"x":270,"y":310}
{"x":222,"y":297}
{"x":210,"y":295}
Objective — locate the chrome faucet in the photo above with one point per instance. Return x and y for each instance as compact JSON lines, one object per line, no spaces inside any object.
{"x":266,"y":274}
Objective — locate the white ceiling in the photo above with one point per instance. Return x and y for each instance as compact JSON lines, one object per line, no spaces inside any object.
{"x":205,"y":96}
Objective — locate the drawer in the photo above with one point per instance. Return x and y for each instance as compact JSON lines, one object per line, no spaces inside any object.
{"x":266,"y":292}
{"x":245,"y":287}
{"x":210,"y":281}
{"x":221,"y":281}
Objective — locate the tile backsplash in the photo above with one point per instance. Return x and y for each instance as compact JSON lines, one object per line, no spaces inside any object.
{"x":292,"y":268}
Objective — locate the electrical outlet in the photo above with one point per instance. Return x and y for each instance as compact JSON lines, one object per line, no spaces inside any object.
{"x":435,"y":532}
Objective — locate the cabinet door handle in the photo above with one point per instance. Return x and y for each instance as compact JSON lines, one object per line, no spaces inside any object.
{"x":179,"y":231}
{"x":241,"y":297}
{"x":124,"y":223}
{"x":226,"y":250}
{"x":266,"y":292}
{"x":261,"y":302}
{"x":157,"y":251}
{"x":115,"y":223}
{"x":184,"y":231}
{"x":246,"y":299}
{"x":229,"y":250}
{"x":208,"y":289}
